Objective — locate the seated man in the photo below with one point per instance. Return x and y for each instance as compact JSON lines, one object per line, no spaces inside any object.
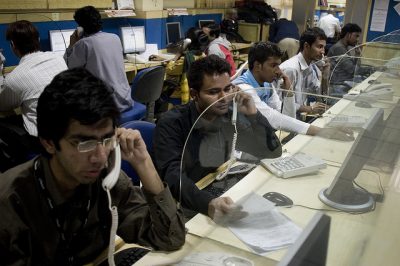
{"x":264,"y":60}
{"x":26,"y":82}
{"x":209,"y":82}
{"x":305,"y":76}
{"x":218,"y":45}
{"x":344,"y":56}
{"x":55,"y":211}
{"x":101,"y":53}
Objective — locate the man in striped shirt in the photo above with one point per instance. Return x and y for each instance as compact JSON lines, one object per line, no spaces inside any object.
{"x":23,"y":86}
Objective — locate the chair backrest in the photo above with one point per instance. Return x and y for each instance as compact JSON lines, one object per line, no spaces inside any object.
{"x":146,"y":129}
{"x":239,"y":70}
{"x":148,"y":84}
{"x":147,"y":87}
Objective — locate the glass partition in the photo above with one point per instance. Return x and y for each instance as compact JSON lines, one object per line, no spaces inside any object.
{"x":343,"y":161}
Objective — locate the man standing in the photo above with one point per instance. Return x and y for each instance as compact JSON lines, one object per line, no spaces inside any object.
{"x":23,"y":86}
{"x":304,"y":74}
{"x":344,"y":54}
{"x":285,"y":33}
{"x":331,"y":26}
{"x":100,"y":53}
{"x":54,"y":209}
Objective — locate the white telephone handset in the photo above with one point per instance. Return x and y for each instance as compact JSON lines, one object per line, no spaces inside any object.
{"x":108,"y":183}
{"x":115,"y":167}
{"x":381,"y":91}
{"x":232,"y":159}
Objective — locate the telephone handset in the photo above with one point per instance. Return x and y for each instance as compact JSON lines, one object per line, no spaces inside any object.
{"x":232,"y":159}
{"x":79,"y":31}
{"x":114,"y":165}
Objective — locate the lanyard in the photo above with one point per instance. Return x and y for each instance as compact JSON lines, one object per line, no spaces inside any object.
{"x":64,"y":243}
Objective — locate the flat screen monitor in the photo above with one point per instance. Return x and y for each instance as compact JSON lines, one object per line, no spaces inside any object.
{"x":133,"y":39}
{"x":173,"y":32}
{"x":205,"y":22}
{"x":342,"y":194}
{"x":59,"y":39}
{"x":311,"y":247}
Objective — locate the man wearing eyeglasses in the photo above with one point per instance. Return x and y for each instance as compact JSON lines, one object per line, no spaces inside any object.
{"x":54,"y":209}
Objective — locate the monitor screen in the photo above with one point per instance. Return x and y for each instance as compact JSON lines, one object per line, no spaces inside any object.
{"x":205,"y":22}
{"x":342,"y":194}
{"x":311,"y":247}
{"x":173,"y":32}
{"x":133,"y":39}
{"x":59,"y":39}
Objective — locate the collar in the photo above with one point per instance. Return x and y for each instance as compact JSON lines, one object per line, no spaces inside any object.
{"x":249,"y":78}
{"x":52,"y":187}
{"x":28,"y":56}
{"x":302,"y":61}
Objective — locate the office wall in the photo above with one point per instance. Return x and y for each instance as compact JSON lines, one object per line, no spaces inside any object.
{"x":392,"y":22}
{"x":155,"y":30}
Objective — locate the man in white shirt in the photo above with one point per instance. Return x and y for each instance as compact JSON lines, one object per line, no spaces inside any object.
{"x":305,"y":75}
{"x":331,"y":26}
{"x":23,"y":86}
{"x":264,"y":60}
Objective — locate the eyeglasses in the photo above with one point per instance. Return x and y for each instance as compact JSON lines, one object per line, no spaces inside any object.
{"x":90,"y":145}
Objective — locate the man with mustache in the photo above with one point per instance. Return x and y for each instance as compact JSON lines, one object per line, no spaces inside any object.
{"x":209,"y":144}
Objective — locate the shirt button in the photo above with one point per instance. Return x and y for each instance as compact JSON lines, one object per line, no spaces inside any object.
{"x":161,"y":199}
{"x":172,"y":233}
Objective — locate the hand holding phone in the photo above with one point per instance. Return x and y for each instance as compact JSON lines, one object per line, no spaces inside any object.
{"x":133,"y":147}
{"x":245,"y":104}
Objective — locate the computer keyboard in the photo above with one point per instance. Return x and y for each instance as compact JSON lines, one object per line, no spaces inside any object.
{"x":294,"y":165}
{"x":217,"y":188}
{"x":127,"y":257}
{"x":347,"y":121}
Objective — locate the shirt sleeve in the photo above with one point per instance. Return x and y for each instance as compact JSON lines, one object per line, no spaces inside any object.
{"x":9,"y":97}
{"x":168,"y":146}
{"x":276,"y":119}
{"x":76,"y":55}
{"x":147,"y":219}
{"x":293,"y":77}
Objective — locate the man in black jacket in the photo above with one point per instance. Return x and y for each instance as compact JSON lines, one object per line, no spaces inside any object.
{"x":209,"y":144}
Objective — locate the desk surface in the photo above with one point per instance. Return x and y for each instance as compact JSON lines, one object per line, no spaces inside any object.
{"x":364,"y":239}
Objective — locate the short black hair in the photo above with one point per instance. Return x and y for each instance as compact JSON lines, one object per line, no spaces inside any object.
{"x":208,"y":65}
{"x":24,"y":36}
{"x":199,"y":40}
{"x":73,"y":94}
{"x":261,"y":51}
{"x":89,"y":19}
{"x":215,"y":29}
{"x":349,"y":28}
{"x":311,"y":35}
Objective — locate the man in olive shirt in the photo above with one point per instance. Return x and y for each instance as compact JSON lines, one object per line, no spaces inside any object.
{"x":54,"y":209}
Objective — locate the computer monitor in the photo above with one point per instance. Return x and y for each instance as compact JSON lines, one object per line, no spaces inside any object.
{"x":59,"y":39}
{"x":342,"y":194}
{"x":311,"y":247}
{"x":133,"y":39}
{"x":205,"y":22}
{"x":173,"y":32}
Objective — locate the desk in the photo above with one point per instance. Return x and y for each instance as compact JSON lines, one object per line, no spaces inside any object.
{"x":355,"y":239}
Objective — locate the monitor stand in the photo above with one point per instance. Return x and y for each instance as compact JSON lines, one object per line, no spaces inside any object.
{"x":349,"y":200}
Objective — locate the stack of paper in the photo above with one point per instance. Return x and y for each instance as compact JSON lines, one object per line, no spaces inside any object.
{"x":264,"y":228}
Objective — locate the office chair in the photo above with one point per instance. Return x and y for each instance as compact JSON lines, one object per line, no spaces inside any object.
{"x":147,"y":87}
{"x":239,"y":71}
{"x":136,"y":112}
{"x":146,"y":129}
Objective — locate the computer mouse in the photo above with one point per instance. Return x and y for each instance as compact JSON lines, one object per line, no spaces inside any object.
{"x":278,"y":198}
{"x":363,"y":104}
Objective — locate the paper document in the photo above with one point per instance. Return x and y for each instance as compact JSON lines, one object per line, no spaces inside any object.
{"x":265,"y":228}
{"x":151,"y":48}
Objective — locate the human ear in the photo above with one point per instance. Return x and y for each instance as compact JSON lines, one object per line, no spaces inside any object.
{"x":194,"y":94}
{"x":48,"y":145}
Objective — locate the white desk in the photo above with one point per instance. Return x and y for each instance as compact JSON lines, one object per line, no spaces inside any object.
{"x":350,"y":233}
